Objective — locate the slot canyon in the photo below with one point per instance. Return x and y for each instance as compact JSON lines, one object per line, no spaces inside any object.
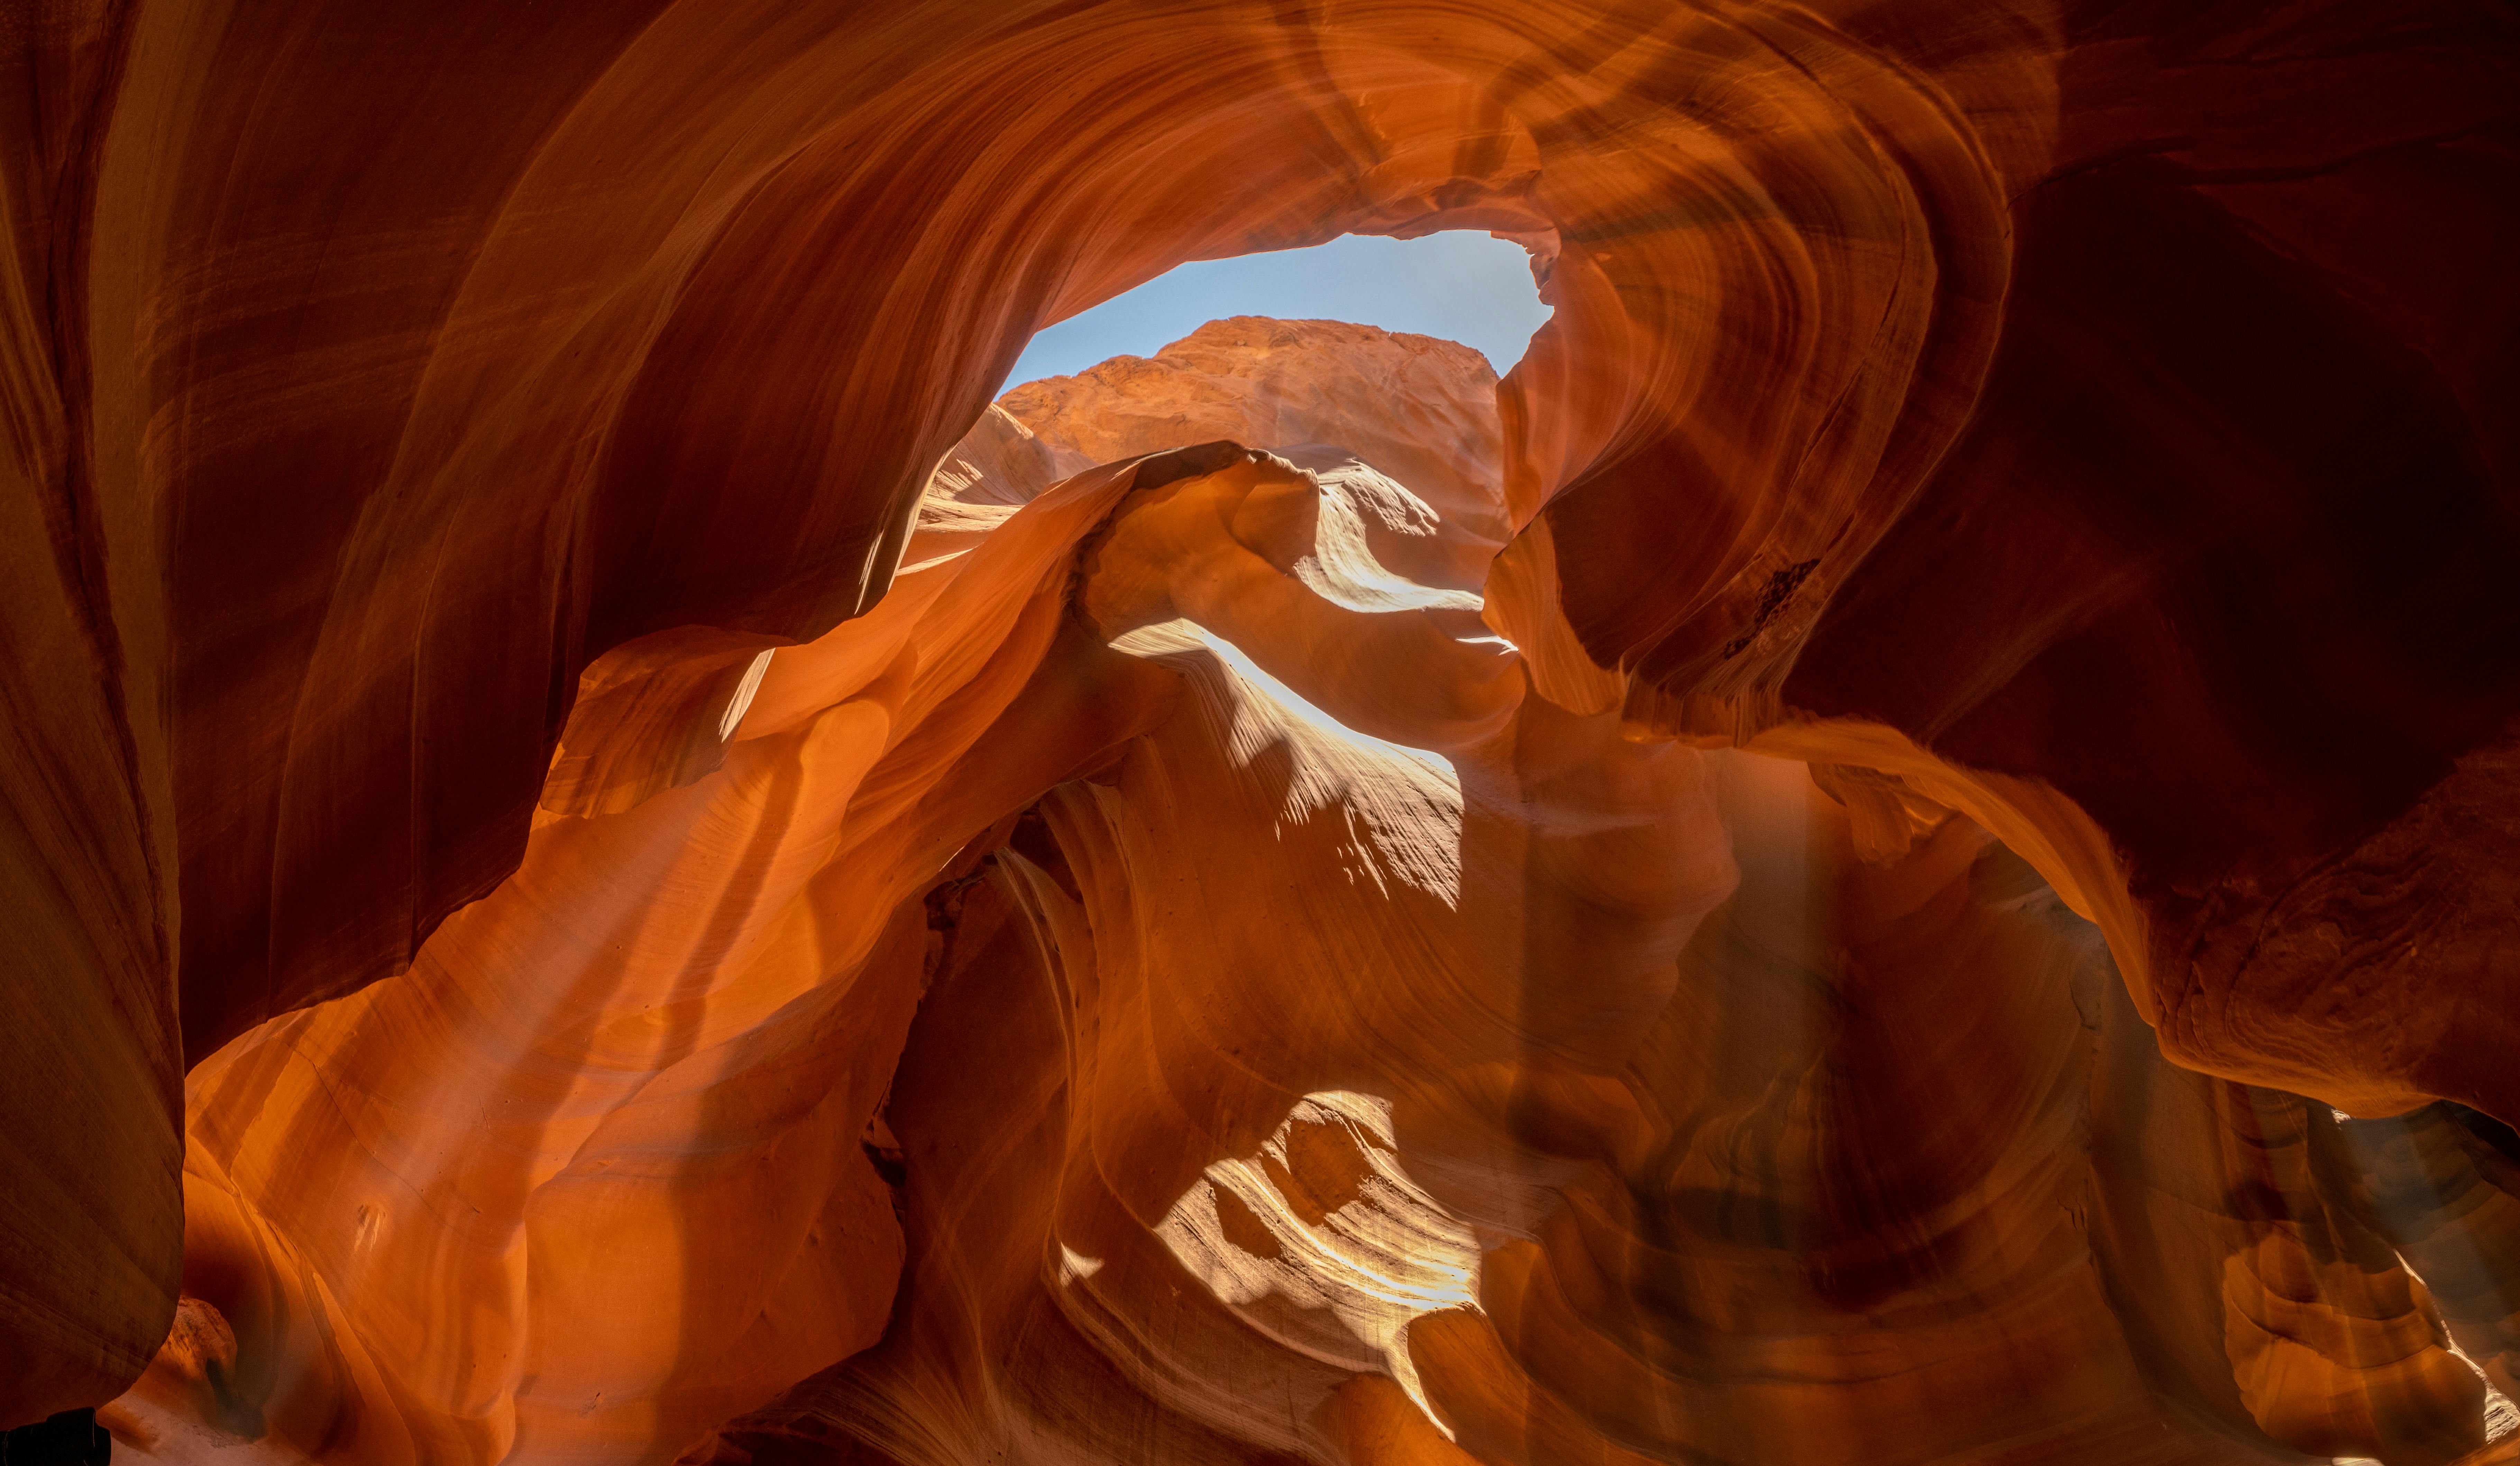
{"x":1902,"y":845}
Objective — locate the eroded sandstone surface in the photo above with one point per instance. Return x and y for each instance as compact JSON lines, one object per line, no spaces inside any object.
{"x":1898,"y":847}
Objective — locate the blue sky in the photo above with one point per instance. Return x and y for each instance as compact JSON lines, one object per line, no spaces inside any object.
{"x":1463,"y":287}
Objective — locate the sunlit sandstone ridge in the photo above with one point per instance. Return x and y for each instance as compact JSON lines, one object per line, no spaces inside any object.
{"x":1827,"y":886}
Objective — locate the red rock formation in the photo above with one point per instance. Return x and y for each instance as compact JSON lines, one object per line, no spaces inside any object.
{"x":1001,"y":461}
{"x":1422,"y":410}
{"x":2081,"y":426}
{"x":1573,"y":1019}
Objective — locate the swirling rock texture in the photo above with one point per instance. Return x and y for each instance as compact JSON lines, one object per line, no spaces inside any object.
{"x":1903,"y":852}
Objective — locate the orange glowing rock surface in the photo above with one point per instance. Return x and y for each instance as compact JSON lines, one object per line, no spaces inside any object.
{"x":1901,"y":846}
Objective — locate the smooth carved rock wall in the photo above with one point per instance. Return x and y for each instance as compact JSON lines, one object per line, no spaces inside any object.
{"x":591,"y":1175}
{"x":1501,"y":1087}
{"x":2085,"y":417}
{"x":91,"y":1075}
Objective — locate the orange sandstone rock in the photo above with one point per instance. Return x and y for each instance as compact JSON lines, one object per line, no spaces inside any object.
{"x":1420,"y":409}
{"x":1857,"y":855}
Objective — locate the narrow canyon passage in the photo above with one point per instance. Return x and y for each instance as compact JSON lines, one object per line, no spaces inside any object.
{"x":1898,"y":846}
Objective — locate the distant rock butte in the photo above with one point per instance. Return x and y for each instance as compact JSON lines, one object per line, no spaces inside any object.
{"x":1420,"y":409}
{"x":1001,"y":461}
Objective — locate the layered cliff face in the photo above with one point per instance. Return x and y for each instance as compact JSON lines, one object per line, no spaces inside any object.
{"x":1905,"y":855}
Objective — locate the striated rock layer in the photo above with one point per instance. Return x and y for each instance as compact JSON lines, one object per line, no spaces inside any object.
{"x":1906,"y":856}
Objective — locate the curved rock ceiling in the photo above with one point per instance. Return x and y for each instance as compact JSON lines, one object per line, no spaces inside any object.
{"x":1903,"y":847}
